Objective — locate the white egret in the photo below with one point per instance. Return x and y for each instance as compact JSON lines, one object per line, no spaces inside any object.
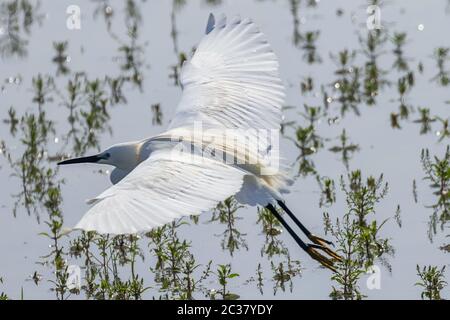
{"x":231,"y":82}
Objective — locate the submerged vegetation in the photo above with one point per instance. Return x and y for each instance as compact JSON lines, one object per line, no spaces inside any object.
{"x":357,"y":234}
{"x":432,"y":281}
{"x":65,"y":111}
{"x":437,"y":173}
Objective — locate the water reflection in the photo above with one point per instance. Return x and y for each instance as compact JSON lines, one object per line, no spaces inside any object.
{"x":176,"y":271}
{"x":347,"y":84}
{"x":404,"y":86}
{"x":31,"y":167}
{"x":131,"y":51}
{"x":345,"y":148}
{"x":17,"y":17}
{"x":283,"y":274}
{"x":61,"y":58}
{"x":226,"y":213}
{"x":104,"y":258}
{"x":271,"y":229}
{"x":357,"y":236}
{"x":374,"y":80}
{"x":177,"y":5}
{"x":327,"y":191}
{"x":400,"y":63}
{"x":441,"y":55}
{"x":437,"y":174}
{"x":110,"y":264}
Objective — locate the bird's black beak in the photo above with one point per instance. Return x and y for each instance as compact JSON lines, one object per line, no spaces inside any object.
{"x":91,"y":159}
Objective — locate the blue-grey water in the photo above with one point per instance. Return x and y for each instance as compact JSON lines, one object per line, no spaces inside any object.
{"x":393,"y":152}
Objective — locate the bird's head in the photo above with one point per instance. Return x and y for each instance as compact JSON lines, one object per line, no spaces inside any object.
{"x":123,"y":156}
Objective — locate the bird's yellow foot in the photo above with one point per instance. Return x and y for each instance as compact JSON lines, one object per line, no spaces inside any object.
{"x":327,"y":263}
{"x":318,"y":240}
{"x":323,"y":244}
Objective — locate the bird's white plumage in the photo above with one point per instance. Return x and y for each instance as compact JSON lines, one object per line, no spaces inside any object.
{"x":232,"y":80}
{"x":166,"y":186}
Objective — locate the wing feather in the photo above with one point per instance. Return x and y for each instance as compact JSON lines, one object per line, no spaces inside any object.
{"x":164,"y":187}
{"x":232,"y":80}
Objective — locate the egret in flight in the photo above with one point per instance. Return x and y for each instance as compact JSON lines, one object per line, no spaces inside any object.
{"x":230,"y":83}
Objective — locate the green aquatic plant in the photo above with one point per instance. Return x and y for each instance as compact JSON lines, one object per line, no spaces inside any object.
{"x":105,"y":9}
{"x":432,"y":280}
{"x":105,"y":257}
{"x":283,"y":273}
{"x":398,"y":217}
{"x":284,"y":269}
{"x":226,"y":213}
{"x":130,"y":51}
{"x":404,"y":86}
{"x":307,"y":40}
{"x":327,"y":191}
{"x":88,"y":103}
{"x":307,"y":141}
{"x":357,"y":235}
{"x":176,"y":69}
{"x":437,"y":173}
{"x":31,"y":168}
{"x":374,"y":80}
{"x":441,"y":55}
{"x":307,"y":145}
{"x":307,"y":85}
{"x":271,"y":229}
{"x":414,"y":191}
{"x":84,"y":125}
{"x":116,"y":90}
{"x":3,"y":296}
{"x":40,"y":185}
{"x":18,"y":17}
{"x":346,"y":149}
{"x":57,"y":255}
{"x":444,"y":132}
{"x":347,"y":85}
{"x":309,"y":47}
{"x":260,"y":279}
{"x":175,"y":269}
{"x":399,"y":41}
{"x":132,"y":58}
{"x":61,"y":58}
{"x":12,"y":121}
{"x":157,"y":114}
{"x":296,"y":34}
{"x":96,"y":118}
{"x":425,"y":120}
{"x":110,"y":263}
{"x":312,"y":114}
{"x":43,"y":87}
{"x":224,"y":274}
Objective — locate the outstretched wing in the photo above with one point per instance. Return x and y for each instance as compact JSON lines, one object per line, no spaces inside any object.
{"x":232,"y":79}
{"x":164,"y":187}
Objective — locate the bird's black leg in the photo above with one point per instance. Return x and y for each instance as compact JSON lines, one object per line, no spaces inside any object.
{"x":309,"y":248}
{"x":277,"y":215}
{"x":315,"y":239}
{"x":312,"y":237}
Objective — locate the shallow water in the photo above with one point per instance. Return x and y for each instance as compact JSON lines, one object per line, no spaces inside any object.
{"x":93,"y":49}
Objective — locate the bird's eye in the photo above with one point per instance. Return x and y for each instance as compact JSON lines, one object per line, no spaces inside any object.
{"x":107,"y":155}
